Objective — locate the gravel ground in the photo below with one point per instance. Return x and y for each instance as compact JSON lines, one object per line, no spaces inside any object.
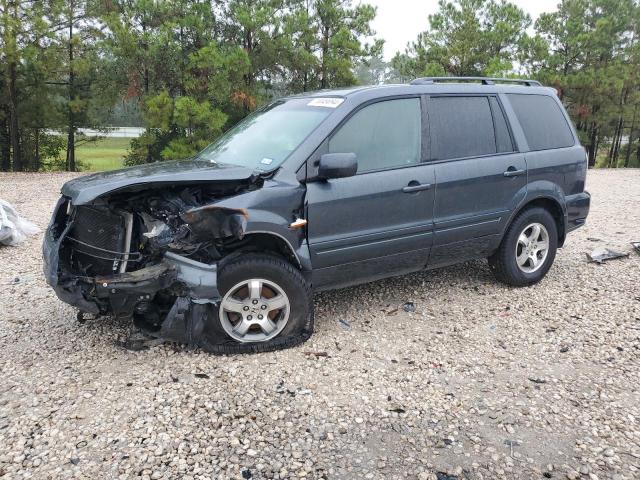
{"x":482,"y":381}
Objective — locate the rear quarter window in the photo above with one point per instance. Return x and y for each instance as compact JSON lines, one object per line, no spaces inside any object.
{"x":544,"y":125}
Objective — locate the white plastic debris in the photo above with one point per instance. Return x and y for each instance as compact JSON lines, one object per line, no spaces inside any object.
{"x":13,"y":228}
{"x":601,"y":254}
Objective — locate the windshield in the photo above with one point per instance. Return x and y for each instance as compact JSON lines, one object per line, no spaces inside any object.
{"x":265,"y":139}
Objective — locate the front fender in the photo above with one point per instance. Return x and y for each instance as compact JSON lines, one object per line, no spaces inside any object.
{"x":271,"y":210}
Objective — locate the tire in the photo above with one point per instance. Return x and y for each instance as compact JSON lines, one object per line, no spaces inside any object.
{"x":277,"y":279}
{"x":514,"y":263}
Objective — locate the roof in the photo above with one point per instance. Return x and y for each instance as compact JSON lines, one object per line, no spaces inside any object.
{"x":428,"y":88}
{"x":338,"y":92}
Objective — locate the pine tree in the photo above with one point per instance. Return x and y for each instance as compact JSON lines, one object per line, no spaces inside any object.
{"x":467,"y":38}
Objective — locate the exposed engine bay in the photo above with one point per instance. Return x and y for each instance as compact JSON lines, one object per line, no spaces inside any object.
{"x":151,"y":254}
{"x":128,"y":232}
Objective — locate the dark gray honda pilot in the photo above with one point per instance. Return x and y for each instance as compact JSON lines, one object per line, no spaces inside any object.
{"x":321,"y":191}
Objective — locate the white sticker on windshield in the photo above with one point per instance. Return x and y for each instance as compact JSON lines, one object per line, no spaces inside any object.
{"x":266,"y":161}
{"x":326,"y":102}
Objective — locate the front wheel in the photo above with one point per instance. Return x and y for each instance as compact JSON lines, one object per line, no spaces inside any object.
{"x":266,"y":304}
{"x":528,"y":248}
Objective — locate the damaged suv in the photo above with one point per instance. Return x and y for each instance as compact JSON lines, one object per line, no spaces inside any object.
{"x":316,"y":192}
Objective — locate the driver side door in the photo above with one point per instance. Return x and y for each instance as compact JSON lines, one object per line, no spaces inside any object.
{"x":379,"y":222}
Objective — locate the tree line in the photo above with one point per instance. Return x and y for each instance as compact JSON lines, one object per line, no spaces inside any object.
{"x":187,"y":70}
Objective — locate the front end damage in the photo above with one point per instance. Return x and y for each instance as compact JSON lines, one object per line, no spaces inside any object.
{"x":151,"y":255}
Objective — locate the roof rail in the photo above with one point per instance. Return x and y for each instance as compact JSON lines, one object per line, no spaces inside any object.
{"x":483,"y":80}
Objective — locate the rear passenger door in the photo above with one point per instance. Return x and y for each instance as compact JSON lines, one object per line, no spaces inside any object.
{"x":480,"y":177}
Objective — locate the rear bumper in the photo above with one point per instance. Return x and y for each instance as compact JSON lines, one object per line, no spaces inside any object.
{"x":577,"y":210}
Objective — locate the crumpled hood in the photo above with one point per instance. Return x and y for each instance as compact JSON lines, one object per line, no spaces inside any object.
{"x":85,"y":189}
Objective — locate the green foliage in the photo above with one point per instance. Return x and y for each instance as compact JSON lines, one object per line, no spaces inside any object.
{"x":588,"y":50}
{"x":159,"y":111}
{"x":187,"y":70}
{"x":467,"y":38}
{"x":199,"y":122}
{"x":28,"y":103}
{"x":44,"y":148}
{"x":322,"y":42}
{"x":197,"y":72}
{"x":147,"y":147}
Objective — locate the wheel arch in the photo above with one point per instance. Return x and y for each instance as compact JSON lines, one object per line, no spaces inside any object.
{"x":553,"y":206}
{"x":267,"y":242}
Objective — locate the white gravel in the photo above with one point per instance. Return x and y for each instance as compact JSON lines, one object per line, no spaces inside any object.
{"x":481,"y":382}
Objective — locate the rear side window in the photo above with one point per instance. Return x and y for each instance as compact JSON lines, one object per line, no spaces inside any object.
{"x":386,"y":134}
{"x":461,"y":127}
{"x":543,"y":122}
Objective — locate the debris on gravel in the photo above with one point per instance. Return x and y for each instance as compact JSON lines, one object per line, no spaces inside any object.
{"x":602,"y":254}
{"x":482,"y":381}
{"x":409,"y":307}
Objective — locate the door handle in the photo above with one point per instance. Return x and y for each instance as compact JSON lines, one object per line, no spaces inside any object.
{"x":512,"y":172}
{"x":416,"y":187}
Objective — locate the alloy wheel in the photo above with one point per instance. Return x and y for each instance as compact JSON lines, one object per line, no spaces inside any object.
{"x":532,"y":247}
{"x":254,"y":310}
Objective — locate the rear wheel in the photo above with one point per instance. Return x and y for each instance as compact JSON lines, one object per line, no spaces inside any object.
{"x":528,"y":248}
{"x":266,"y":304}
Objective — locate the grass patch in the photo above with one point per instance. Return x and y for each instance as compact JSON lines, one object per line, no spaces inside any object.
{"x":105,"y":154}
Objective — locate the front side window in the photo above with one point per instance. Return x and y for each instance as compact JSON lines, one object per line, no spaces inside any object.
{"x":383,"y":135}
{"x":265,"y":139}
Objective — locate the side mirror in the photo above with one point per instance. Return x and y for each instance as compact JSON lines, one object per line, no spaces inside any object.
{"x":337,"y":165}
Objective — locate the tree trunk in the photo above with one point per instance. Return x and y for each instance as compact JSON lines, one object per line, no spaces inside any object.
{"x":12,"y":78}
{"x":612,"y":146}
{"x":307,"y":48}
{"x":616,"y":150}
{"x":593,"y":148}
{"x":325,"y":52}
{"x":615,"y":146}
{"x":71,"y":150}
{"x":248,"y":78}
{"x":145,"y":69}
{"x":5,"y":148}
{"x":183,"y":61}
{"x":145,"y":47}
{"x":36,"y":158}
{"x":5,"y":141}
{"x":631,"y":134}
{"x":614,"y":143}
{"x":71,"y":127}
{"x":14,"y":125}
